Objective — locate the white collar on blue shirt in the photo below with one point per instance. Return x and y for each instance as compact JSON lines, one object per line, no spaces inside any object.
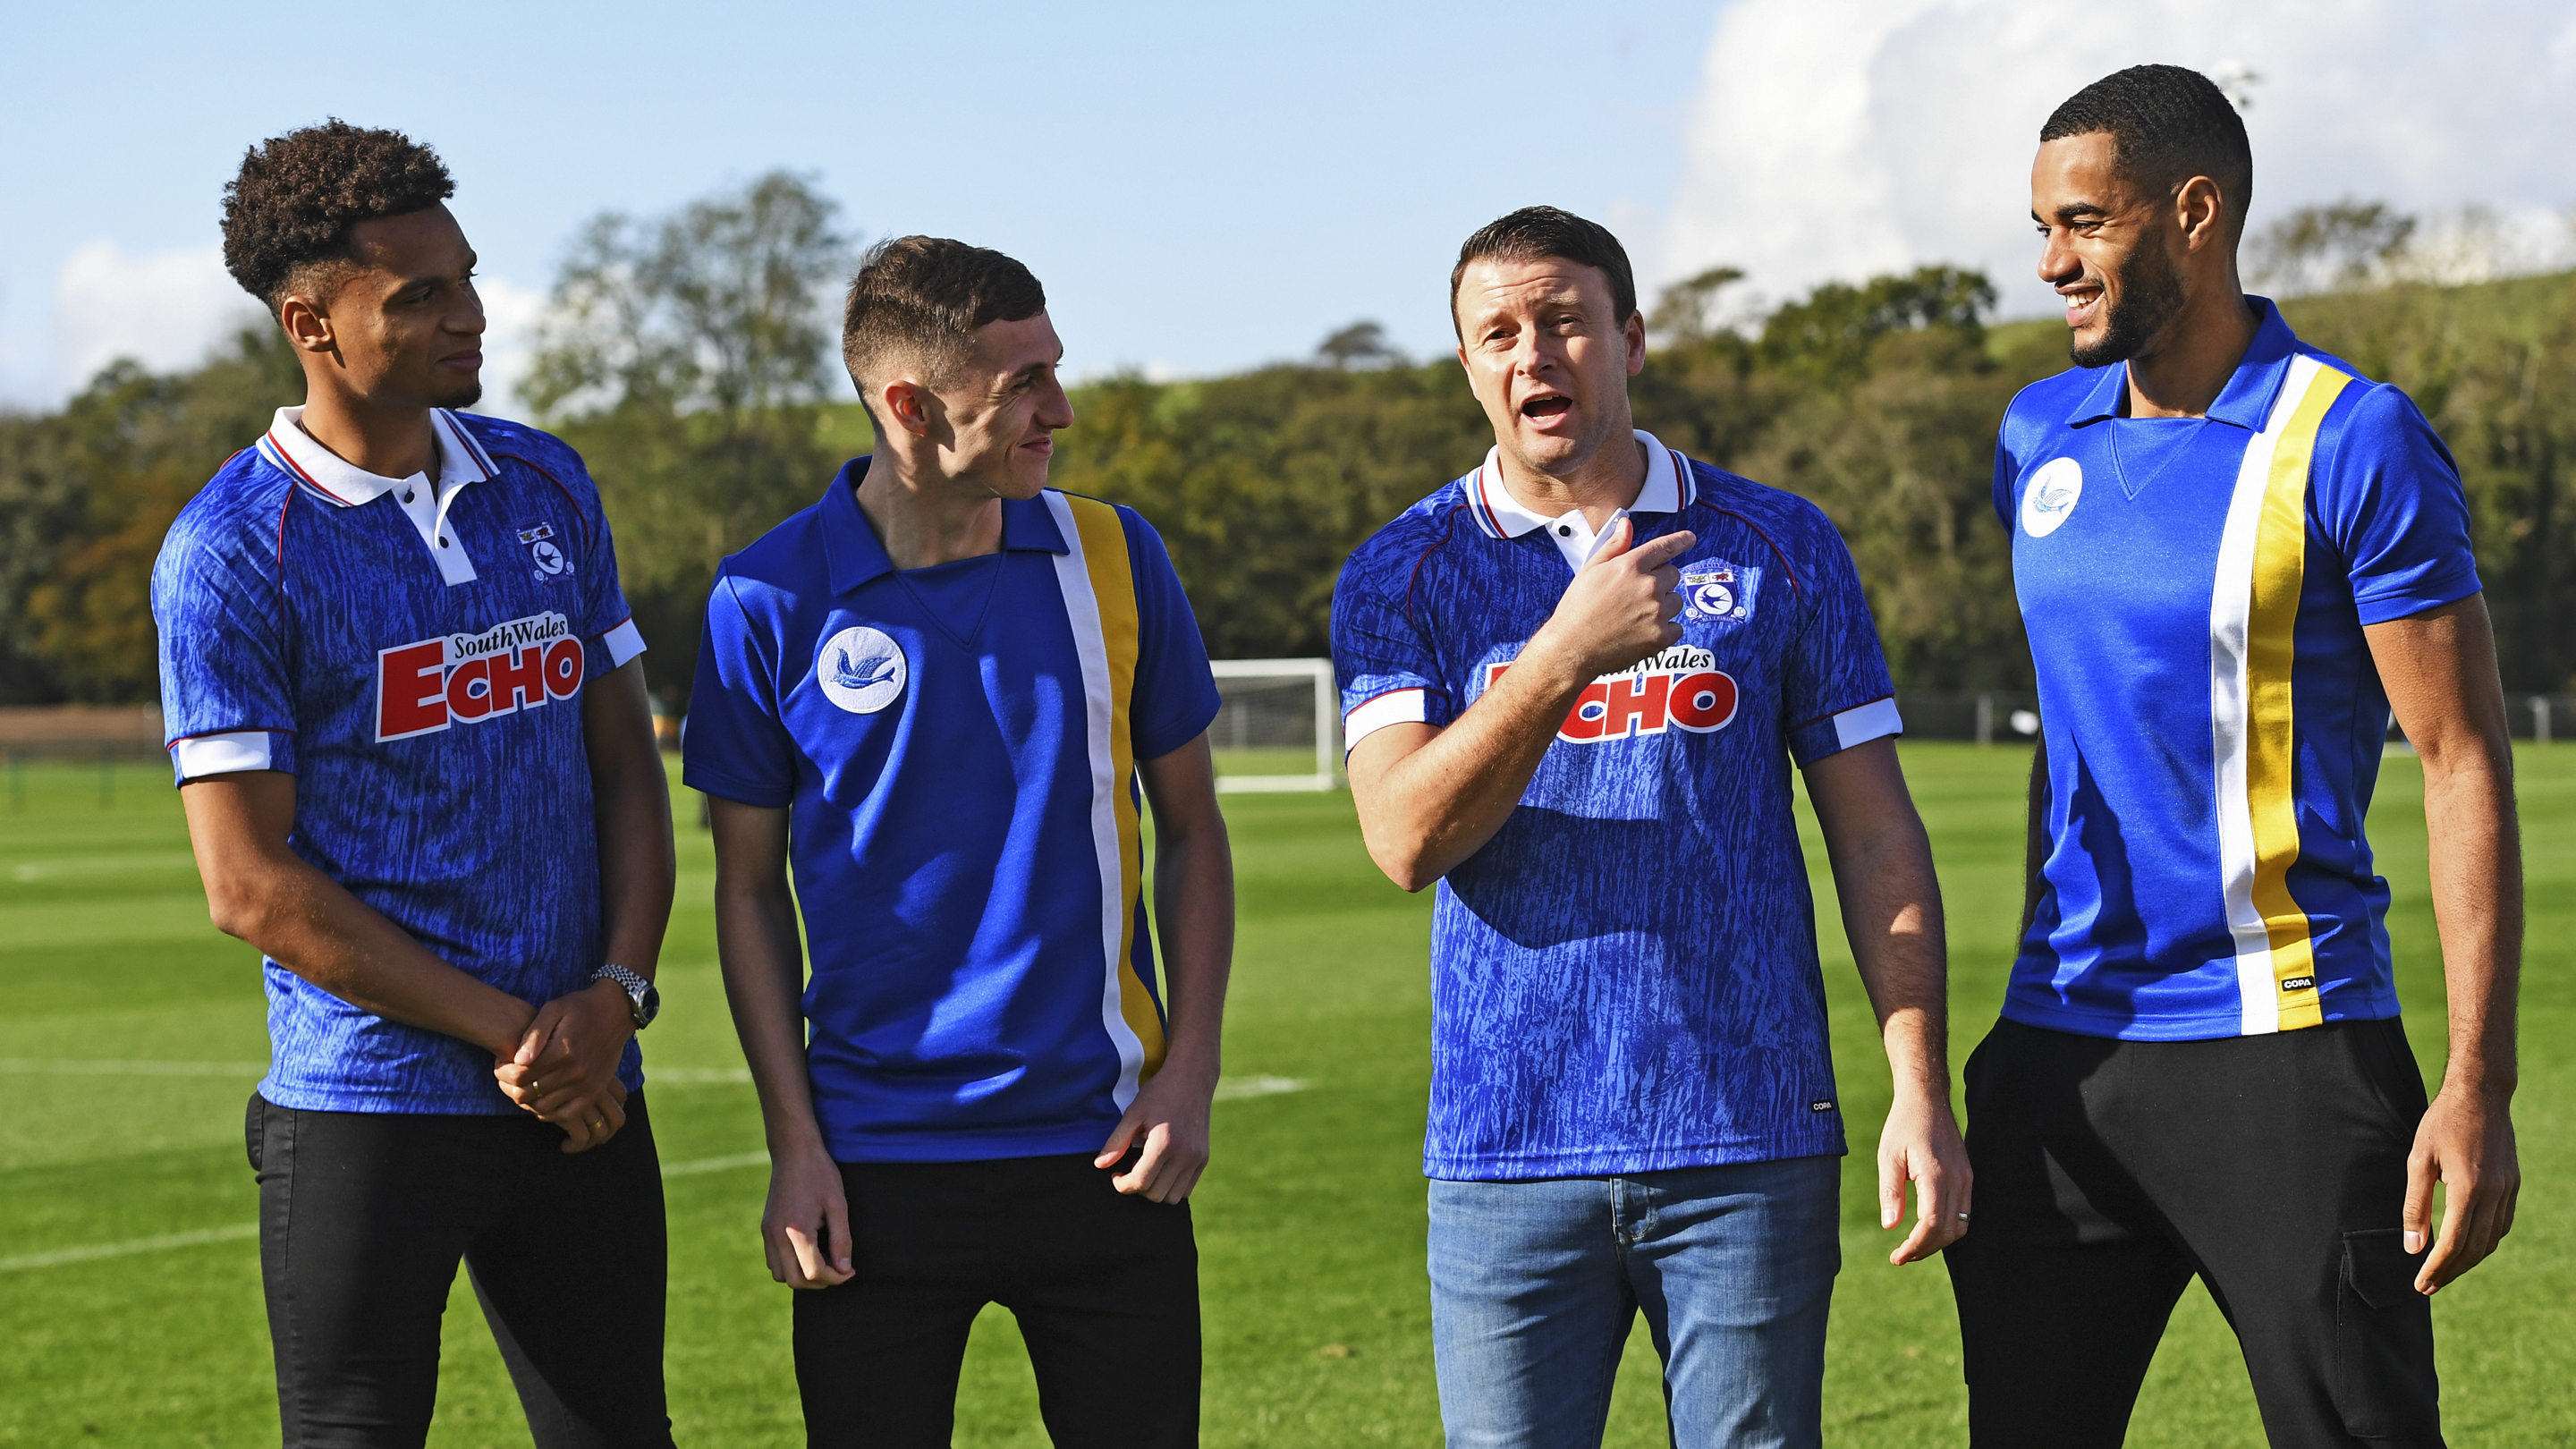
{"x":1668,"y":489}
{"x":460,"y":461}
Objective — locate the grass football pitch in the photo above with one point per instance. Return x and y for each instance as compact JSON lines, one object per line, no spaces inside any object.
{"x":130,"y":1035}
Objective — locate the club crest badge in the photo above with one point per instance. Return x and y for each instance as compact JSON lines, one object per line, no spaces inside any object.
{"x":1717,"y":591}
{"x":861,"y":669}
{"x":548,"y":556}
{"x":2050,"y":496}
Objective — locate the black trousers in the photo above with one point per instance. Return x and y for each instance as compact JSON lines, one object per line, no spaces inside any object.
{"x":1105,"y":1287}
{"x":2109,"y":1173}
{"x":363,"y":1217}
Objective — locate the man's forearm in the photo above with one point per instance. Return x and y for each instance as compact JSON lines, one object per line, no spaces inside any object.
{"x":1439,"y":804}
{"x":313,"y":927}
{"x":2476,"y":876}
{"x":1892,"y":916}
{"x":757,"y":944}
{"x":631,"y":800}
{"x":2034,"y":838}
{"x":260,"y":892}
{"x":1194,"y":901}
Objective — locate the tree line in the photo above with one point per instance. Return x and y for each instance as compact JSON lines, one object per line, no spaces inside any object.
{"x":692,"y":358}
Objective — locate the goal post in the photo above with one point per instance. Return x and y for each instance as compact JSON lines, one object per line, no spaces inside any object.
{"x":1278,"y":725}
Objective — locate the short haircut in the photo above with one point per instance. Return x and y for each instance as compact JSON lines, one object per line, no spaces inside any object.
{"x":1535,"y":233}
{"x":287,"y":214}
{"x":2167,"y":125}
{"x":919,"y":299}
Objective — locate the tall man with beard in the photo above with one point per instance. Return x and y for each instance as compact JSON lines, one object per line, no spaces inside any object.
{"x":407,"y":714}
{"x":2235,"y":556}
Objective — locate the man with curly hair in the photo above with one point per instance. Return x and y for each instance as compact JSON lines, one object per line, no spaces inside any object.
{"x":409,"y":726}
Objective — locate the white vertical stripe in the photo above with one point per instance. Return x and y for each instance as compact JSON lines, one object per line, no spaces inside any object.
{"x":2231,"y":608}
{"x":1082,"y":611}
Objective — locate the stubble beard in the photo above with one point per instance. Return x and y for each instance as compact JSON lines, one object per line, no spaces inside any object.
{"x":2149,"y":296}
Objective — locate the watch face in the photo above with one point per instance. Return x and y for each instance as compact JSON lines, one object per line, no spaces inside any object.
{"x":648,"y":1005}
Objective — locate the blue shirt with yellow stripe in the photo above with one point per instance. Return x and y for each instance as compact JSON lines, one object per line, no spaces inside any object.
{"x":956,"y":747}
{"x":2195,"y":591}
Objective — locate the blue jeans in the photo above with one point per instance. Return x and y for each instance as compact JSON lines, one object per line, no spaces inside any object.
{"x":1534,"y":1285}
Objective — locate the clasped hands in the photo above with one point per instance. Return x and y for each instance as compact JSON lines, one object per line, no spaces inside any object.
{"x":563,"y":1068}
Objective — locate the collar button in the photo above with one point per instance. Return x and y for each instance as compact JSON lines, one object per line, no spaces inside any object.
{"x":1565,"y":530}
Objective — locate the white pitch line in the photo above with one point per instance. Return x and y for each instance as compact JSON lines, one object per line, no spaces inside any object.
{"x":138,"y":1245}
{"x":238,"y":1231}
{"x":1234,"y":1087}
{"x":35,"y":1067}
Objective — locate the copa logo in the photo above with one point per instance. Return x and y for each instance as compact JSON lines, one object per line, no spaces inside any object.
{"x":2049,"y":499}
{"x":423,"y":687}
{"x":861,"y":669}
{"x":1680,"y":688}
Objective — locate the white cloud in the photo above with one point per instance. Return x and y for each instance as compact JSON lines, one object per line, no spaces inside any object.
{"x":510,"y":317}
{"x":168,"y":310}
{"x":165,"y":310}
{"x":1837,"y":138}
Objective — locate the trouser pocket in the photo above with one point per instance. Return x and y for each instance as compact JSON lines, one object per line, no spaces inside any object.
{"x":252,"y":1122}
{"x":2384,"y":1383}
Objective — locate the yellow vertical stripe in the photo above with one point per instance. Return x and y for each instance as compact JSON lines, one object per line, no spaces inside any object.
{"x":2271,"y":763}
{"x":1113,"y":587}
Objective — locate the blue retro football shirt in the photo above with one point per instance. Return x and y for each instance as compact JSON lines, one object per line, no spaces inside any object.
{"x":414,"y":656}
{"x":2195,"y":591}
{"x":1624,"y":979}
{"x":956,"y":747}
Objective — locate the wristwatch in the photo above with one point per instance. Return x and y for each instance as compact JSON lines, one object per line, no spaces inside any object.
{"x":641,"y":998}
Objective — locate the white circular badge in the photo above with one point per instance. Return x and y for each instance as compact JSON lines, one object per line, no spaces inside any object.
{"x":2050,"y":496}
{"x":861,"y":669}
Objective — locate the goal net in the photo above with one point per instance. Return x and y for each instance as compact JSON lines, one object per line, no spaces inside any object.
{"x":1278,"y":725}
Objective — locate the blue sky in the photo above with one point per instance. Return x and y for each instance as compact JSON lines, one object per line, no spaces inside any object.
{"x":1206,"y":187}
{"x":1200,"y":186}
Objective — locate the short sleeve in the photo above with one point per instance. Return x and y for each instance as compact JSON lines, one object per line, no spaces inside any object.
{"x":226,"y":701}
{"x":606,"y":617}
{"x":735,"y":743}
{"x":2391,"y":502}
{"x":1175,"y":693}
{"x":1836,"y":690}
{"x":1383,"y":664}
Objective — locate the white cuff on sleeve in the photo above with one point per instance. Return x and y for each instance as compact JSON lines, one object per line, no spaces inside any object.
{"x":222,"y":754}
{"x":1398,"y":706}
{"x":1871,"y":721}
{"x":623,"y":643}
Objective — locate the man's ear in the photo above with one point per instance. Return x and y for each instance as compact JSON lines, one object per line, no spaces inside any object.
{"x":307,"y":324}
{"x":1635,"y":336}
{"x":906,"y":404}
{"x":2201,"y":210}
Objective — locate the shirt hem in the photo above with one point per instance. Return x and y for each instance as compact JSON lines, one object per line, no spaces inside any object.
{"x":364,"y":1097}
{"x":1596,"y":1162}
{"x":725,"y":787}
{"x":2211,"y":1027}
{"x":966,"y":1146}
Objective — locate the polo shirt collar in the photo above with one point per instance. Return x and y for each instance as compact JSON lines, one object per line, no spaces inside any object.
{"x":2246,"y":400}
{"x":856,"y":555}
{"x":1668,"y":488}
{"x":460,"y":460}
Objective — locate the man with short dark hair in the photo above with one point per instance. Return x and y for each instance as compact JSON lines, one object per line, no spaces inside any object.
{"x":2235,"y":556}
{"x":409,"y":724}
{"x":1574,"y":682}
{"x":937,"y":691}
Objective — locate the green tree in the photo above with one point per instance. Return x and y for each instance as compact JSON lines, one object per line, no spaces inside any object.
{"x":685,"y":357}
{"x":85,"y":497}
